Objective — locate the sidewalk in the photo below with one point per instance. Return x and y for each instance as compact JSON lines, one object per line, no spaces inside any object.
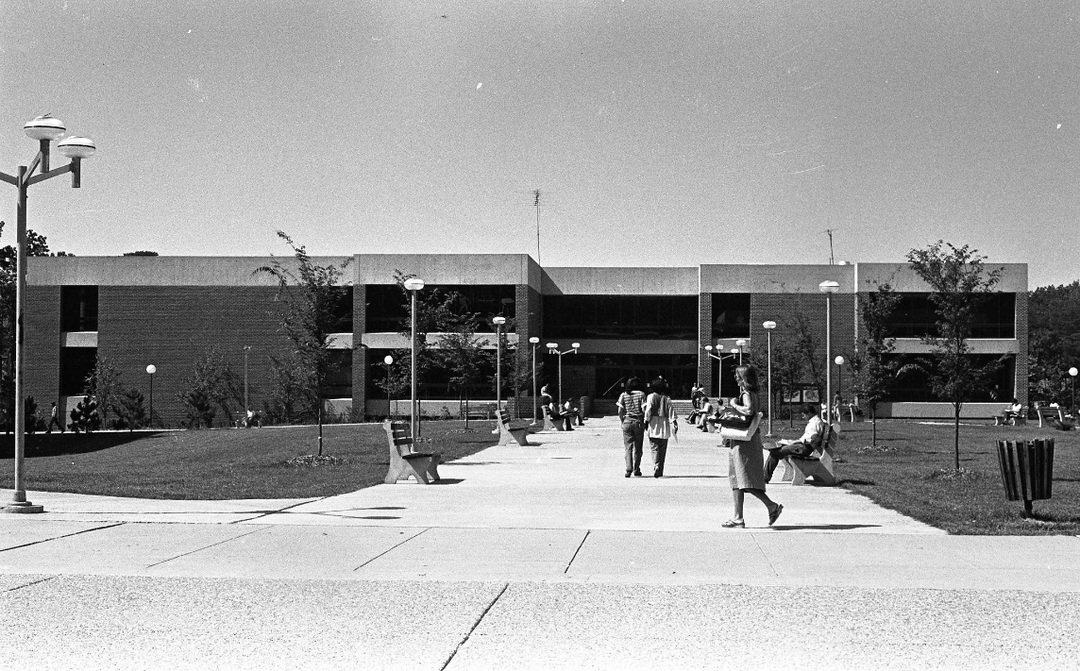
{"x":536,"y":556}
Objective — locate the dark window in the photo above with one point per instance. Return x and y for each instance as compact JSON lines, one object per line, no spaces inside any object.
{"x":434,"y":383}
{"x":388,"y":305}
{"x":915,"y":316}
{"x":76,"y":364}
{"x":731,"y":316}
{"x":338,"y":382}
{"x":79,"y":308}
{"x":343,"y":310}
{"x":621,"y":317}
{"x":914,"y":385}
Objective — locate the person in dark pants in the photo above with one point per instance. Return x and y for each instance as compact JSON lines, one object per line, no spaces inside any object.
{"x":660,"y":420}
{"x":631,"y":406}
{"x":54,"y":418}
{"x":811,"y":439}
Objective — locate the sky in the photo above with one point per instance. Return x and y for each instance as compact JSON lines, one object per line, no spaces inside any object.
{"x":659,"y":133}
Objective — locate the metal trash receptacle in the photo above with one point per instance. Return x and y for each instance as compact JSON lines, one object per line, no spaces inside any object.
{"x":1027,"y":470}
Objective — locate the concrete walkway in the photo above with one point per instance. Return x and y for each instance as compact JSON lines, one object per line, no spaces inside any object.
{"x":536,"y":557}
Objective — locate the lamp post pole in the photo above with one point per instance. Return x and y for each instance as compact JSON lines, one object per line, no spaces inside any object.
{"x":43,"y":129}
{"x":553,"y":348}
{"x":534,"y":342}
{"x":720,"y":364}
{"x":247,"y":405}
{"x":150,"y":370}
{"x":769,"y":326}
{"x":741,"y":345}
{"x":828,"y":287}
{"x":498,"y":322}
{"x":388,"y":360}
{"x":414,"y":285}
{"x":1072,"y":374}
{"x":839,"y":361}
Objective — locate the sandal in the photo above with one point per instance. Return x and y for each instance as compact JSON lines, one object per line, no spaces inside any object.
{"x":775,"y":514}
{"x":734,"y":524}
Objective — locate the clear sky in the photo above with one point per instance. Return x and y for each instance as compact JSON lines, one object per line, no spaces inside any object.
{"x":659,"y":133}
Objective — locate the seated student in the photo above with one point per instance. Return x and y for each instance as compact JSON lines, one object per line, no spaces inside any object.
{"x":557,"y":415}
{"x":802,"y":447}
{"x":707,"y":410}
{"x":572,"y":412}
{"x":1014,"y":410}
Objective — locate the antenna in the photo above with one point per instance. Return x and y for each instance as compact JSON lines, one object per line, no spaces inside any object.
{"x":536,"y":203}
{"x":829,"y":232}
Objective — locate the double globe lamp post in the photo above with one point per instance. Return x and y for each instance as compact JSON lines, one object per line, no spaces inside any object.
{"x":828,"y":287}
{"x":44,"y":130}
{"x":413,"y":285}
{"x":769,"y":326}
{"x":553,"y":348}
{"x":498,"y":322}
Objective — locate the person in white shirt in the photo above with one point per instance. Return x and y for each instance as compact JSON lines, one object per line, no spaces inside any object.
{"x":804,"y":446}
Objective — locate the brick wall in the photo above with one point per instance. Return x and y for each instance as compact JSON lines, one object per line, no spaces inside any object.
{"x":706,"y":364}
{"x":360,"y":354}
{"x":41,"y":342}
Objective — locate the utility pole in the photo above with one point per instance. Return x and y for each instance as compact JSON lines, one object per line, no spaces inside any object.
{"x":536,"y":203}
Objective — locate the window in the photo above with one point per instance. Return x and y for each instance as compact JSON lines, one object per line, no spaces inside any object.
{"x":914,"y":385}
{"x":388,"y":305}
{"x":621,"y":317}
{"x":76,"y":364}
{"x":731,"y":316}
{"x":915,"y":317}
{"x":79,"y":308}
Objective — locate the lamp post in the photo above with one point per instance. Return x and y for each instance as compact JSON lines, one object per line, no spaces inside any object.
{"x":414,"y":285}
{"x":247,"y":405}
{"x":828,"y":287}
{"x":769,"y":326}
{"x":720,"y":366}
{"x":388,"y":360}
{"x":739,"y":345}
{"x":498,"y":322}
{"x":1072,"y":374}
{"x":839,"y":361}
{"x":43,"y":129}
{"x":553,"y":348}
{"x":150,"y":370}
{"x":534,"y":343}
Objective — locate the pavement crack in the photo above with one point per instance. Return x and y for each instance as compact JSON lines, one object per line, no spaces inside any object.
{"x":576,"y":551}
{"x":205,"y":547}
{"x":764,"y":555}
{"x":476,"y":624}
{"x":55,"y":538}
{"x":390,"y":549}
{"x":32,"y":583}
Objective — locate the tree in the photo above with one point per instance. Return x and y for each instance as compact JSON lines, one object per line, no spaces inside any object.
{"x":309,"y":300}
{"x":435,"y":309}
{"x":462,"y":353}
{"x":103,"y":383}
{"x":871,"y":363}
{"x":1053,"y":341}
{"x":960,"y":283}
{"x":211,"y":387}
{"x":788,"y":362}
{"x":132,"y":410}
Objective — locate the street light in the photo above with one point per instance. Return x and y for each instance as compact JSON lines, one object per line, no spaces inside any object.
{"x":1072,"y":374}
{"x":769,"y":326}
{"x":247,"y":405}
{"x":720,"y":366}
{"x":839,"y":361}
{"x":553,"y":348}
{"x":150,"y":370}
{"x":828,"y":287}
{"x":498,"y":322}
{"x":739,"y":345}
{"x":45,"y":130}
{"x":413,"y":284}
{"x":388,"y":360}
{"x":535,"y":343}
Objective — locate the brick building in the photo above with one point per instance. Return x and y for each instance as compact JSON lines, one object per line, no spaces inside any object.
{"x":167,"y":311}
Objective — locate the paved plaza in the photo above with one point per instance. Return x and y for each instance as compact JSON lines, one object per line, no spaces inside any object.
{"x":540,"y":557}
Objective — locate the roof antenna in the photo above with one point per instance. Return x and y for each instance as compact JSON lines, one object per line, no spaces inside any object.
{"x":536,"y":203}
{"x":832,"y":259}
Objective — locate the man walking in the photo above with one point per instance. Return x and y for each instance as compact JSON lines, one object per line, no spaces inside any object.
{"x":54,"y":418}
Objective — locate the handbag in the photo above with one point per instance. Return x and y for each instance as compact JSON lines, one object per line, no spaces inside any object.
{"x":732,"y":433}
{"x":734,"y":420}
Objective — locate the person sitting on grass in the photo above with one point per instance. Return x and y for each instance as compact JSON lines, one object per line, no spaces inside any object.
{"x":804,"y":446}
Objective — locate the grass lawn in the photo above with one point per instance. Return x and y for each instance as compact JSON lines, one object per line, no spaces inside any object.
{"x":224,"y":463}
{"x":912,"y":473}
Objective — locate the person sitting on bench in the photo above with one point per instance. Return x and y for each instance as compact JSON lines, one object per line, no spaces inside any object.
{"x":704,"y":413}
{"x":1013,"y":410}
{"x":804,"y":446}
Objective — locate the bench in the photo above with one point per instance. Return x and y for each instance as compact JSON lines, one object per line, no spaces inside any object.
{"x":1011,"y":420}
{"x":404,"y":462}
{"x":1054,"y":417}
{"x":551,"y":422}
{"x":510,"y":432}
{"x":820,"y":465}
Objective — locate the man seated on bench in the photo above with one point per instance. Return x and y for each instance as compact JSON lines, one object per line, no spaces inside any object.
{"x":706,"y":412}
{"x":1013,"y":411}
{"x":804,"y":446}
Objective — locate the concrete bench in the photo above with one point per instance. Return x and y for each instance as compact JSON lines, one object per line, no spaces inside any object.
{"x":821,"y":465}
{"x":512,"y":431}
{"x":1054,"y":417}
{"x":404,"y":462}
{"x":1010,"y":419}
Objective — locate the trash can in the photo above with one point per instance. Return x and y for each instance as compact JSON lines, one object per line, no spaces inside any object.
{"x":1027,"y":469}
{"x":585,"y":406}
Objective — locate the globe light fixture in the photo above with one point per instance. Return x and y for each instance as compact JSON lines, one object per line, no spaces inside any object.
{"x":769,"y":326}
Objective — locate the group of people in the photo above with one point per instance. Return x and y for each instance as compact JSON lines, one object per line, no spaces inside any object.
{"x":566,"y":414}
{"x":749,"y":471}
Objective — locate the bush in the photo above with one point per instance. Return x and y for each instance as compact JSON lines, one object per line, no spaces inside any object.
{"x":85,"y":416}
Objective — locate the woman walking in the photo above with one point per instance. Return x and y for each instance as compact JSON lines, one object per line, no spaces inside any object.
{"x":747,"y":463}
{"x":631,"y":406}
{"x":660,"y":417}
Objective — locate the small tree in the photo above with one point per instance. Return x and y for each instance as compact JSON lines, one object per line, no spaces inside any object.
{"x":211,"y":387}
{"x":462,"y":354}
{"x":871,"y":364}
{"x":85,"y":417}
{"x":960,"y":284}
{"x":309,"y":298}
{"x":434,"y":311}
{"x":104,"y":384}
{"x":132,"y":410}
{"x":806,"y":350}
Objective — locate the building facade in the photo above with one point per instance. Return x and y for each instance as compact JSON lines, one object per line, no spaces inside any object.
{"x":170,"y":311}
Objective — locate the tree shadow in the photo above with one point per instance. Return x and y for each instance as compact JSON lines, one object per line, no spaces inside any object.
{"x":56,"y":444}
